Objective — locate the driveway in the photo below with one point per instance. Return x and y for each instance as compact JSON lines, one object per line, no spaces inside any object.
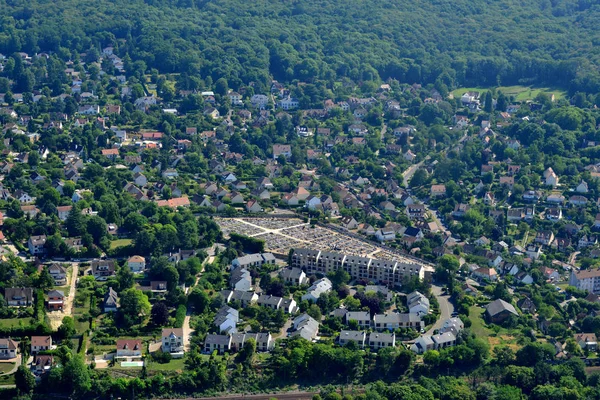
{"x":446,"y":308}
{"x":56,"y":317}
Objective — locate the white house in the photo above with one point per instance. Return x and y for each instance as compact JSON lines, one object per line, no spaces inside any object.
{"x":321,"y":286}
{"x":136,"y":263}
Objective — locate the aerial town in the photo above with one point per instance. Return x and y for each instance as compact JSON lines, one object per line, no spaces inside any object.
{"x":150,"y":228}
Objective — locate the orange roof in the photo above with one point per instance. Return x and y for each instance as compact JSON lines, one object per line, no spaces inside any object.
{"x":174,"y":203}
{"x":110,"y":152}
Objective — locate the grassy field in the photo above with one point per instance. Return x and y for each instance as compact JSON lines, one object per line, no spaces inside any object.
{"x":5,"y":367}
{"x":478,"y":325}
{"x":173,"y":365}
{"x":7,"y":379}
{"x":120,"y":242}
{"x":10,"y":322}
{"x":520,"y":93}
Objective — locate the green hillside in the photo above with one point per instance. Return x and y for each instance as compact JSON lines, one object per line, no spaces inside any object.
{"x":456,"y":43}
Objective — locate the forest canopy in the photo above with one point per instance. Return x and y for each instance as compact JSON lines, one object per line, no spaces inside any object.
{"x":449,"y":43}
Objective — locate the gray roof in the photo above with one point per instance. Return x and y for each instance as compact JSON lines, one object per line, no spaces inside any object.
{"x":358,"y":316}
{"x":358,"y":336}
{"x":268,"y":300}
{"x":409,"y":317}
{"x":387,"y":318}
{"x":291,"y":273}
{"x":223,"y":340}
{"x":444,"y":338}
{"x":382,"y":337}
{"x":498,"y":306}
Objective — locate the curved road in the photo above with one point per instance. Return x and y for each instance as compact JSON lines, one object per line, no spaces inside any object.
{"x":446,"y":308}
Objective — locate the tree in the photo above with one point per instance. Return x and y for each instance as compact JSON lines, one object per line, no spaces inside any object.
{"x":135,"y":307}
{"x":45,"y":280}
{"x":67,"y":327}
{"x":77,"y":376}
{"x":160,"y":314}
{"x":125,"y":278}
{"x":199,"y":300}
{"x":75,"y":223}
{"x":419,"y":178}
{"x":488,"y":105}
{"x":24,"y":380}
{"x":246,"y":354}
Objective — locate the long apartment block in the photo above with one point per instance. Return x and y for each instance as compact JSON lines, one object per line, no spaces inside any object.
{"x":390,"y":272}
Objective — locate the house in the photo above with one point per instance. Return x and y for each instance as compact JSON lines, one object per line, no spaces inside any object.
{"x":218,"y":343}
{"x":362,"y":318}
{"x":544,"y":237}
{"x":111,"y":301}
{"x":578,"y":200}
{"x":381,"y":340}
{"x":527,"y":305}
{"x":587,"y":341}
{"x":454,"y":325}
{"x":8,"y":349}
{"x":438,"y":190}
{"x":110,"y":153}
{"x":306,"y":327}
{"x":173,"y":342}
{"x":382,"y":291}
{"x":253,"y":206}
{"x":42,"y":364}
{"x":136,"y":263}
{"x":551,"y":179}
{"x":499,"y":310}
{"x":349,"y":222}
{"x":174,"y":202}
{"x":226,"y":320}
{"x":241,"y":279}
{"x":103,"y":269}
{"x":40,"y":343}
{"x":284,"y":150}
{"x":416,"y":211}
{"x":129,"y":348}
{"x":417,"y":303}
{"x":253,"y":260}
{"x":63,"y":212}
{"x":553,"y":213}
{"x":18,"y":297}
{"x":582,"y":187}
{"x":140,"y":179}
{"x":485,"y":273}
{"x":508,"y":181}
{"x":36,"y":245}
{"x":423,"y":344}
{"x":56,"y":299}
{"x":319,"y":287}
{"x":293,"y":276}
{"x":58,"y":274}
{"x":550,"y":274}
{"x":357,"y":337}
{"x":246,"y":298}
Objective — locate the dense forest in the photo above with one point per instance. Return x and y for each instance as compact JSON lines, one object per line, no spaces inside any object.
{"x":449,"y":43}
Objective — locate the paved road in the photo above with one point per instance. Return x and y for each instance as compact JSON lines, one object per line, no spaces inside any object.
{"x":446,"y":308}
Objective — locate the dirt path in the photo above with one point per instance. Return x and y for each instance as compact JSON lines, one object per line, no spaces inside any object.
{"x":56,"y":317}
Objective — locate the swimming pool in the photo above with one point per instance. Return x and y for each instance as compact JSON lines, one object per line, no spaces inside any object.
{"x":132,"y":364}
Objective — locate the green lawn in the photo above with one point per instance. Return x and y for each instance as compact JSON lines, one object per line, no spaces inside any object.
{"x":5,"y":367}
{"x":477,"y":324}
{"x":7,"y":379}
{"x":521,"y":93}
{"x":10,"y":322}
{"x":120,"y":242}
{"x":173,"y":365}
